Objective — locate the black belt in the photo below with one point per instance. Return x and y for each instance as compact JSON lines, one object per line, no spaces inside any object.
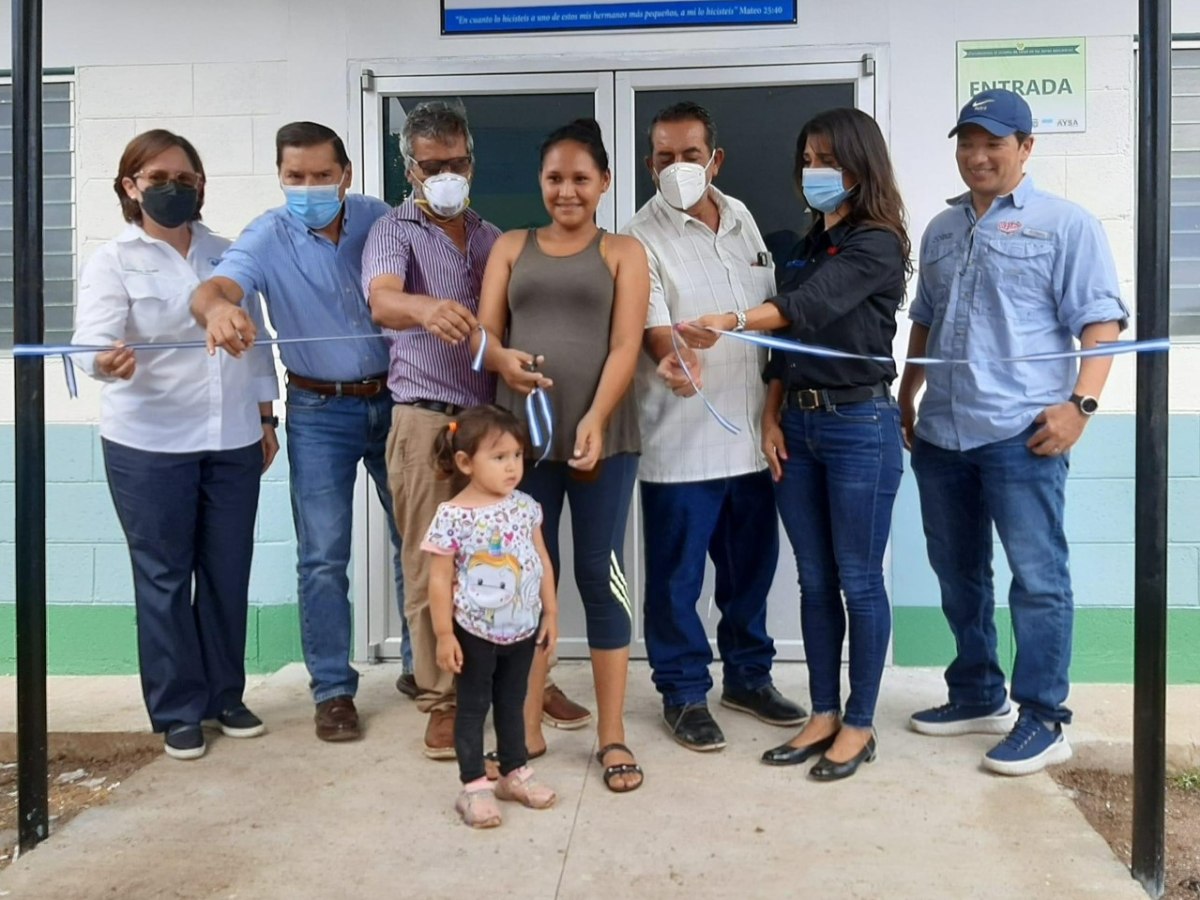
{"x":811,"y":399}
{"x":448,"y":409}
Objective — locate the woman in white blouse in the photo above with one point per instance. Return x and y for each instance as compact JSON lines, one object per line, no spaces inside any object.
{"x":186,"y":438}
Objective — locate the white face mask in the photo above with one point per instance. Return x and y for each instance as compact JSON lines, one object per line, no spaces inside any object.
{"x":684,"y":183}
{"x":446,"y":195}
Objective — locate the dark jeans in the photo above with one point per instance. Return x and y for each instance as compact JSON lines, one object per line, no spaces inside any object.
{"x":962,"y":495}
{"x":599,"y":511}
{"x":496,"y":676}
{"x":733,"y":522}
{"x":189,"y":519}
{"x":327,"y":438}
{"x":839,"y":483}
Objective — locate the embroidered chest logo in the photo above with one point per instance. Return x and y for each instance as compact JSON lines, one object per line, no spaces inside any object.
{"x":1010,"y":227}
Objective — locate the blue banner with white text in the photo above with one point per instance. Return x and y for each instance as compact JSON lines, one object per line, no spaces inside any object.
{"x":490,"y":16}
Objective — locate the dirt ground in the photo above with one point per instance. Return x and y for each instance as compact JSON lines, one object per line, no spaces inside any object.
{"x":1106,"y":799}
{"x":84,"y":770}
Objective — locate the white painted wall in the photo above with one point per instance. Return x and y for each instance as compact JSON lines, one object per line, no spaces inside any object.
{"x":228,"y":73}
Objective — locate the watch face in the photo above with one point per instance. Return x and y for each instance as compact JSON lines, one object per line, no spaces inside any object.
{"x":1089,"y":405}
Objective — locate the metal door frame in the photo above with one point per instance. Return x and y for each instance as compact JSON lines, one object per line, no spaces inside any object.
{"x":614,"y":79}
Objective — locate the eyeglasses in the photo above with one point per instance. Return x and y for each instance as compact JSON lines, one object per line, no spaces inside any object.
{"x":459,"y":165}
{"x":159,"y":178}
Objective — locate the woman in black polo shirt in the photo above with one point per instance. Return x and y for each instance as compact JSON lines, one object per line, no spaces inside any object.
{"x":830,"y":429}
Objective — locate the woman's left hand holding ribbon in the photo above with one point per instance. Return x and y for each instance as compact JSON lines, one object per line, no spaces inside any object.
{"x":520,"y":370}
{"x":701,"y":333}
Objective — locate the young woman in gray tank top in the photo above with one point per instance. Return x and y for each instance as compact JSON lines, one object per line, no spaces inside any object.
{"x":577,"y":298}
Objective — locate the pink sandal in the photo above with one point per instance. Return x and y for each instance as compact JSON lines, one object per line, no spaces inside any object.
{"x":523,"y":787}
{"x":477,"y":805}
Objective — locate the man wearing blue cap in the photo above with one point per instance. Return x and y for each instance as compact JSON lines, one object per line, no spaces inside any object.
{"x":1007,"y":271}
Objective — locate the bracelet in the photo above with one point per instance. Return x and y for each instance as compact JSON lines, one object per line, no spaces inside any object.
{"x":740,"y":315}
{"x":273,"y":421}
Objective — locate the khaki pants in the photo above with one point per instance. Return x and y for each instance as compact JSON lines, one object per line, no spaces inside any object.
{"x":416,"y":493}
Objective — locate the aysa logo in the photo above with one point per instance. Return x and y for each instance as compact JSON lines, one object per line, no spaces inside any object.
{"x":1010,"y":227}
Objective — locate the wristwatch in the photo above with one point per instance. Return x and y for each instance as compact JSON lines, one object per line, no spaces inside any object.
{"x":273,"y":421}
{"x":740,"y":315}
{"x":1086,"y":405}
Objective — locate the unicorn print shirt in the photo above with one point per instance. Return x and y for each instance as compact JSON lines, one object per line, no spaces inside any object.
{"x":497,"y":569}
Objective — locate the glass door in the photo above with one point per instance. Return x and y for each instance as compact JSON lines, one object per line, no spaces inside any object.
{"x":509,"y":116}
{"x":758,"y":111}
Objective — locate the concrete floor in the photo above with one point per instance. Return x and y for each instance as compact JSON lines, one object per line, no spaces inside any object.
{"x":286,"y":817}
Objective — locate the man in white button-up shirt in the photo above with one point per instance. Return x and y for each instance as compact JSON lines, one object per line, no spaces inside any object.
{"x":705,"y":491}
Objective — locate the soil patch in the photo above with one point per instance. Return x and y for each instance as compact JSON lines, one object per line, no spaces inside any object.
{"x":84,"y":770}
{"x":1106,"y":799}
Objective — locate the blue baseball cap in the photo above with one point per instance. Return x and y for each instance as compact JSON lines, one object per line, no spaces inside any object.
{"x":999,"y":112}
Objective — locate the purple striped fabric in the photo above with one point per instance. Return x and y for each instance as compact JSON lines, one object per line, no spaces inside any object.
{"x":406,"y":243}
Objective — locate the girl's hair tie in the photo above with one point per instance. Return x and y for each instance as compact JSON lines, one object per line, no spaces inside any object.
{"x":453,"y":426}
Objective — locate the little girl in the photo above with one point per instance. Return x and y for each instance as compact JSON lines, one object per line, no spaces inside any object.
{"x":492,"y":599}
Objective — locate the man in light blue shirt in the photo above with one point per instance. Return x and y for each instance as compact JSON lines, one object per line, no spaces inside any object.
{"x":305,"y":258}
{"x":1006,"y":271}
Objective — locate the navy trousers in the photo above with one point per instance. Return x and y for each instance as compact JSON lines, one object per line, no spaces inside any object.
{"x":189,"y":520}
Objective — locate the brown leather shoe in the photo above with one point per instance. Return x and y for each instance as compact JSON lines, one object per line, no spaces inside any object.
{"x":439,"y":735}
{"x":337,"y":720}
{"x":407,"y":685}
{"x":560,"y":711}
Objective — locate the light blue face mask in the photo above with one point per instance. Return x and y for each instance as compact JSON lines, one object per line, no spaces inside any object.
{"x":315,"y":205}
{"x":823,"y":189}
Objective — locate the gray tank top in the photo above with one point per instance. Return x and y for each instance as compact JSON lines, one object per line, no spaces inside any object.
{"x":561,"y":308}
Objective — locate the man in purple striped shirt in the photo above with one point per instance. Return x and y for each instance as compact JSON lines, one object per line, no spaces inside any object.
{"x":423,"y":265}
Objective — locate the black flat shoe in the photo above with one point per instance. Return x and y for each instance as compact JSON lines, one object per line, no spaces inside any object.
{"x":827,"y":770}
{"x":694,"y":727}
{"x":787,"y":755}
{"x":766,"y":704}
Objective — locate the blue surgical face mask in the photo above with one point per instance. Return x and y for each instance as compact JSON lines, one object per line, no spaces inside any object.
{"x":823,"y":189}
{"x":315,"y":205}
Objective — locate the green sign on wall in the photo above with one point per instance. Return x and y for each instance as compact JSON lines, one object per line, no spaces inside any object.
{"x":1050,"y":73}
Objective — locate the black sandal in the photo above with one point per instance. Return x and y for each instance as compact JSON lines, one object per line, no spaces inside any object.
{"x":611,"y":772}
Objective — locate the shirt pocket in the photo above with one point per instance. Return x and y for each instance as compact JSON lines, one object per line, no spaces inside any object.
{"x":937,"y":271}
{"x":160,"y":305}
{"x":1016,"y":275}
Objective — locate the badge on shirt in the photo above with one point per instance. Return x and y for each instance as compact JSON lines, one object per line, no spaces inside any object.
{"x":1009,"y":227}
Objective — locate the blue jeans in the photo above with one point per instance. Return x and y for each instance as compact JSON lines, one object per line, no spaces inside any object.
{"x":189,"y":521}
{"x":732,"y":521}
{"x":839,"y":483}
{"x":599,"y":512}
{"x":962,"y":495}
{"x":327,"y":437}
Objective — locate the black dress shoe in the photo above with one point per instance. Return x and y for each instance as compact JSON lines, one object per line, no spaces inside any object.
{"x":787,"y":755}
{"x":766,"y":704}
{"x":694,"y":727}
{"x":827,"y":770}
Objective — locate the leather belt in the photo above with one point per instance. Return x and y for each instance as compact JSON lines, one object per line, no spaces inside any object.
{"x":448,"y":409}
{"x":813,"y":399}
{"x":368,"y":387}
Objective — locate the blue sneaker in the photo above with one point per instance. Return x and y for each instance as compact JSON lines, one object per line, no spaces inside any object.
{"x":953,"y":718}
{"x":1030,"y":747}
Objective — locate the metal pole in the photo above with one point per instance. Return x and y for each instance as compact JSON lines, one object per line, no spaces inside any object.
{"x":30,"y":433}
{"x":1150,"y":555}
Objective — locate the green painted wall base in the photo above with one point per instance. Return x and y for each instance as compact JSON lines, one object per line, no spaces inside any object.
{"x":101,"y":640}
{"x":1103,"y":649}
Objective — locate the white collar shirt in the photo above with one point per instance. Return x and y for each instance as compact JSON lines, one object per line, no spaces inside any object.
{"x":138,"y":289}
{"x":693,"y":272}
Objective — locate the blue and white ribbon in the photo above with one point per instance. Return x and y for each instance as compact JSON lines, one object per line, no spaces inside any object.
{"x":538,"y":413}
{"x":1113,"y":348}
{"x":66,"y":351}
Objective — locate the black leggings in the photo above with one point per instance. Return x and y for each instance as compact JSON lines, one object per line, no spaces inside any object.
{"x":495,"y":675}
